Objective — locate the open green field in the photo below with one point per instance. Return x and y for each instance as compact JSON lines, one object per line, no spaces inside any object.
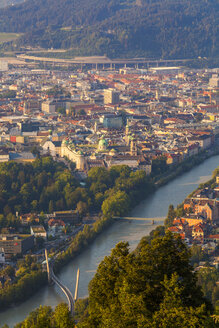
{"x":6,"y":37}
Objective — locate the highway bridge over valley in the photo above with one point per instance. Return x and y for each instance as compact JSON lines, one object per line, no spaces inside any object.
{"x":104,"y":61}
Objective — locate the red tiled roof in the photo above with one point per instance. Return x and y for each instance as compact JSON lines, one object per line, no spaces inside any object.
{"x":53,"y":222}
{"x":174,"y":229}
{"x":214,"y":236}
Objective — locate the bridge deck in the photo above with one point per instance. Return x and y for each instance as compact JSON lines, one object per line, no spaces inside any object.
{"x":139,"y":219}
{"x":65,"y":290}
{"x":101,"y":60}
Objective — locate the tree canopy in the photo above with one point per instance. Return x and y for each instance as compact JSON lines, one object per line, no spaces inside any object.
{"x":33,"y":186}
{"x":153,"y":286}
{"x":28,"y":279}
{"x":45,"y":317}
{"x":136,"y":289}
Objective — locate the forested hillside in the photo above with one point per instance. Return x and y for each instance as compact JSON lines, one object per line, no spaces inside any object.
{"x":156,"y":28}
{"x":5,"y":3}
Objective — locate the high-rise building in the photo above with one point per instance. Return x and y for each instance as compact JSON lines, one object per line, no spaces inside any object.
{"x":111,"y":96}
{"x":3,"y":65}
{"x":48,"y":107}
{"x":214,"y":81}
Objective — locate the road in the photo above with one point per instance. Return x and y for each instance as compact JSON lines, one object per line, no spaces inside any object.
{"x":102,"y":60}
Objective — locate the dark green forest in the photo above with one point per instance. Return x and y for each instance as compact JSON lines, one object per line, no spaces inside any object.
{"x":46,"y":317}
{"x":39,"y":186}
{"x":152,"y":28}
{"x":46,"y":185}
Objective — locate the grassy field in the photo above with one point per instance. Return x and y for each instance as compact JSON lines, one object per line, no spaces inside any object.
{"x":6,"y":37}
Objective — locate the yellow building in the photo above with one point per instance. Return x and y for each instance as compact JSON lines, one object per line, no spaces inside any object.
{"x":73,"y":155}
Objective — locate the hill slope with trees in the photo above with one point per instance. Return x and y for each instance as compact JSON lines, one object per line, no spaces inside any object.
{"x":154,"y":286}
{"x":5,"y":3}
{"x":161,"y":28}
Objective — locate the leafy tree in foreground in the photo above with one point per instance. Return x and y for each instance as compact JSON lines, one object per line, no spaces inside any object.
{"x":134,"y":289}
{"x":40,"y":318}
{"x":45,"y":317}
{"x":62,"y":317}
{"x":173,"y":313}
{"x":207,"y":279}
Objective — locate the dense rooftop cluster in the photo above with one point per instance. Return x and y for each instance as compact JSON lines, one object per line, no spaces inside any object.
{"x":107,"y":117}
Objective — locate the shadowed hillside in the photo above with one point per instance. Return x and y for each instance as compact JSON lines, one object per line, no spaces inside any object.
{"x":5,"y":3}
{"x":158,"y":28}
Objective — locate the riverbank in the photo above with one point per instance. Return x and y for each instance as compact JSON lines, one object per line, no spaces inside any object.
{"x":82,"y":240}
{"x":154,"y":206}
{"x":185,"y":166}
{"x":27,"y":286}
{"x":89,"y":234}
{"x":180,"y":169}
{"x":100,"y":226}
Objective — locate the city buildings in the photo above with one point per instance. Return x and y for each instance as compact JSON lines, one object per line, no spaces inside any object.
{"x":3,"y":65}
{"x":83,"y":115}
{"x":111,"y":97}
{"x":38,"y":231}
{"x":48,"y":107}
{"x":214,"y":81}
{"x":103,"y":118}
{"x":109,"y":117}
{"x":14,"y":244}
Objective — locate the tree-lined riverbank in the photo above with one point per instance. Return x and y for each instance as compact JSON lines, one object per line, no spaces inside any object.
{"x":156,"y":205}
{"x":113,"y":191}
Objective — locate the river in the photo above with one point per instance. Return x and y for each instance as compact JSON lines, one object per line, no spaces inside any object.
{"x":132,"y":231}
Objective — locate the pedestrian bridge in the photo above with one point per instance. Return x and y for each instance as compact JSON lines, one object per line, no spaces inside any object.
{"x":65,"y":290}
{"x":52,"y":278}
{"x":153,"y":220}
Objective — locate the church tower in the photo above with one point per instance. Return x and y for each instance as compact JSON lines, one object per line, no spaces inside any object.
{"x":133,"y":147}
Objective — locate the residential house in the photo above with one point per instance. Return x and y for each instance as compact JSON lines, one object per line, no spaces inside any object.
{"x":198,"y":232}
{"x":38,"y":231}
